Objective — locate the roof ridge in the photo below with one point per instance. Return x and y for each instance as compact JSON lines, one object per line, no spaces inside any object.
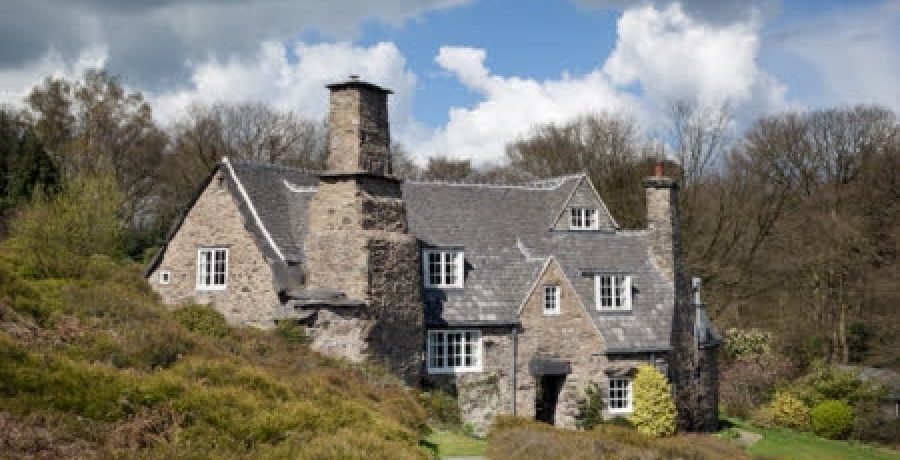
{"x":245,"y":162}
{"x":538,"y":184}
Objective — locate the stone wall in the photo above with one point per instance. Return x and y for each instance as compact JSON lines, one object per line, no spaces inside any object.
{"x":482,"y":395}
{"x":569,"y":336}
{"x":215,"y":221}
{"x":357,"y":244}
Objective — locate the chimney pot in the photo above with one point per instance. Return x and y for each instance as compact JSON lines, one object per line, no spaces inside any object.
{"x":660,"y":170}
{"x":354,"y":77}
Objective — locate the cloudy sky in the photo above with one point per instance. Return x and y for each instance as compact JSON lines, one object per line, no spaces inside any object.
{"x":468,"y":75}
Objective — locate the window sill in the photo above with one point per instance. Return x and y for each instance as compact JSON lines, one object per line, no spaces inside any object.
{"x":455,"y":371}
{"x":552,"y":313}
{"x":615,"y":310}
{"x":620,"y":411}
{"x":211,"y":288}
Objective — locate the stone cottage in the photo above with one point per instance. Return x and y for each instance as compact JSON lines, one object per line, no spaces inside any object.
{"x":515,"y":298}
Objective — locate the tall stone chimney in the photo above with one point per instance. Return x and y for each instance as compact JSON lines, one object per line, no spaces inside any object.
{"x":663,"y":223}
{"x":362,"y":266}
{"x":692,"y":369}
{"x":359,"y":133}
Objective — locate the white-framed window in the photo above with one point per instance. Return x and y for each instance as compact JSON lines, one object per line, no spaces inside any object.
{"x":165,"y":277}
{"x":619,"y":397}
{"x":443,"y":268}
{"x":452,"y":351}
{"x":583,"y":218}
{"x":212,"y":269}
{"x":613,"y":291}
{"x":551,"y":299}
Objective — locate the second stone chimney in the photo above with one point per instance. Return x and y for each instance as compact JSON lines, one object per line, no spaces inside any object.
{"x":663,"y":222}
{"x":359,"y":134}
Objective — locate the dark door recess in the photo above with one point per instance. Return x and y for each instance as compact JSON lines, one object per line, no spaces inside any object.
{"x":546,"y":397}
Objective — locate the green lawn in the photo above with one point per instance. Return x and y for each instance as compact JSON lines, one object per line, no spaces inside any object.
{"x":787,"y":444}
{"x":448,"y":443}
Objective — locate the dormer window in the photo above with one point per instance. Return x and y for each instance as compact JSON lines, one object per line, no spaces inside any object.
{"x":583,"y":218}
{"x":443,"y":268}
{"x":613,"y":292}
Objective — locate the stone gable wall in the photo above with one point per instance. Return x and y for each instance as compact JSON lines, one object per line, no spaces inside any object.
{"x":570,"y":336}
{"x":215,"y":221}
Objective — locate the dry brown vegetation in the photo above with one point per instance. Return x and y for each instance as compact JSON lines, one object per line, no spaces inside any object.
{"x":518,"y":438}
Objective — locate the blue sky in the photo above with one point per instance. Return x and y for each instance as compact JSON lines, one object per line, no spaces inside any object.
{"x":468,"y":75}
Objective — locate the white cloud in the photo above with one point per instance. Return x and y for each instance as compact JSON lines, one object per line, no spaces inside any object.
{"x":293,"y":81}
{"x":670,"y":55}
{"x":673,"y":56}
{"x":16,"y":83}
{"x":511,"y":106}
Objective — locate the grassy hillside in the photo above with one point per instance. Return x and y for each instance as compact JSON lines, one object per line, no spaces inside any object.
{"x":94,"y":367}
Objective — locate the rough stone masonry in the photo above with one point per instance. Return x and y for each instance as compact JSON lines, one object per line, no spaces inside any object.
{"x":359,"y":245}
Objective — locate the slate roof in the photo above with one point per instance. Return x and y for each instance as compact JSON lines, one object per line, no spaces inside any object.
{"x":505,"y":232}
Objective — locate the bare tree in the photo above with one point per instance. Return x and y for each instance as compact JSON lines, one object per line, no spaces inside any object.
{"x":608,"y":147}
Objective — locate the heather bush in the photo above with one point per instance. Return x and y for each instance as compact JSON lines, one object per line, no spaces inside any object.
{"x":654,"y":410}
{"x":832,"y":419}
{"x":749,"y":382}
{"x":523,"y":439}
{"x":789,"y":412}
{"x":203,"y":320}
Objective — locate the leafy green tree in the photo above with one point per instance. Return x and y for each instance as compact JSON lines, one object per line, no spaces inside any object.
{"x":590,"y":408}
{"x":654,"y":409}
{"x":62,"y":236}
{"x":25,"y":165}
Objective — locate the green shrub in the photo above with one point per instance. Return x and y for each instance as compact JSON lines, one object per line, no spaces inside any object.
{"x":291,"y":332}
{"x":590,"y":408}
{"x":789,"y":412}
{"x":442,"y":408}
{"x":654,"y":410}
{"x":832,"y":419}
{"x":829,"y":382}
{"x":203,"y":320}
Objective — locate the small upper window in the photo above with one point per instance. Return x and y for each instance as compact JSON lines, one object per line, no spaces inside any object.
{"x":443,"y":268}
{"x":619,"y":395}
{"x":613,"y":292}
{"x":212,"y":268}
{"x":165,"y":277}
{"x":583,"y":218}
{"x":551,"y":300}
